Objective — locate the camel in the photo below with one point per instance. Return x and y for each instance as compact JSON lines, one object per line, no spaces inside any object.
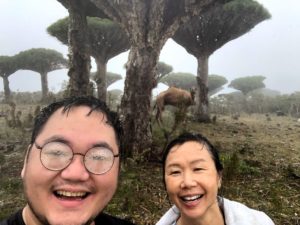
{"x":177,"y":97}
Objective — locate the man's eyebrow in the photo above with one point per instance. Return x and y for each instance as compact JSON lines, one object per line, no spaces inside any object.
{"x":102,"y":144}
{"x":56,"y":138}
{"x":61,"y":139}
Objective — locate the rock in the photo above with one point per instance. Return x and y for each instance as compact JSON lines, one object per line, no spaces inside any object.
{"x":294,"y":170}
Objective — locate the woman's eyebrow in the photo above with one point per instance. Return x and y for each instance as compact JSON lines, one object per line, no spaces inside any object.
{"x":176,"y":164}
{"x":173,"y":165}
{"x":197,"y":161}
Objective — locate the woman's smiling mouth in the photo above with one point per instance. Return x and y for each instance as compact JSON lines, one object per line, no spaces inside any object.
{"x":191,"y":198}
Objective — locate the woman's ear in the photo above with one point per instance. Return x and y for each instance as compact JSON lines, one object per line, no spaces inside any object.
{"x":220,"y":180}
{"x":25,"y":160}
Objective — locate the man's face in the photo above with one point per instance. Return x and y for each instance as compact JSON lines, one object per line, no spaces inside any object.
{"x":74,"y":195}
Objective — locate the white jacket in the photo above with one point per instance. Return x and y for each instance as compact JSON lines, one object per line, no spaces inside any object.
{"x":235,"y":214}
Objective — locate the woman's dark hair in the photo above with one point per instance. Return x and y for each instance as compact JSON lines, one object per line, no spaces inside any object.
{"x":185,"y":137}
{"x":66,"y":104}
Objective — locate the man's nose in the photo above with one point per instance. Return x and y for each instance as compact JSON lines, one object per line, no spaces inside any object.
{"x":76,"y":170}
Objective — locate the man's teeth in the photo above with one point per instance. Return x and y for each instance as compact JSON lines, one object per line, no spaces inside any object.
{"x":71,"y":194}
{"x":191,"y":198}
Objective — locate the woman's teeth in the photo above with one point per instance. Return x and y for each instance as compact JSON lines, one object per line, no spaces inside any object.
{"x":191,"y":198}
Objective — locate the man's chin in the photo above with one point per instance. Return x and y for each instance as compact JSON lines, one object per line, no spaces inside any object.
{"x":71,"y":221}
{"x":62,"y":218}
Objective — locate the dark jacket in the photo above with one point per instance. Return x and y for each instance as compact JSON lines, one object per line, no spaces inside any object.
{"x":101,"y":219}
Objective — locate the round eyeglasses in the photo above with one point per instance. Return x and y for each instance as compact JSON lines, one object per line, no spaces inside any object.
{"x":58,"y":156}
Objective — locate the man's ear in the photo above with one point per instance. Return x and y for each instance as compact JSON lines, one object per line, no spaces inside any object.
{"x":25,"y":160}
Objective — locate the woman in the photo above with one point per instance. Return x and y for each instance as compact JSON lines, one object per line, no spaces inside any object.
{"x":192,"y":174}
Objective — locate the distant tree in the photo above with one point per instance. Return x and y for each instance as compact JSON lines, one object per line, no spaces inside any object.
{"x":42,"y":61}
{"x":289,"y":104}
{"x":233,"y":103}
{"x":187,"y":81}
{"x":281,"y":103}
{"x":105,"y":39}
{"x":260,"y":100}
{"x":206,"y":33}
{"x":265,"y":92}
{"x":116,"y":92}
{"x":114,"y":98}
{"x":184,"y":81}
{"x":27,"y":97}
{"x":8,"y":66}
{"x":162,"y":70}
{"x":256,"y":103}
{"x":215,"y":83}
{"x":110,"y":78}
{"x":247,"y":84}
{"x":294,"y":109}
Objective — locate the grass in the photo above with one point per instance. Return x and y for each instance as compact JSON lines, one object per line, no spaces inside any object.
{"x":261,"y":159}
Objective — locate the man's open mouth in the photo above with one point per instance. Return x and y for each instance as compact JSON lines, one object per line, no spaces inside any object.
{"x":71,"y":195}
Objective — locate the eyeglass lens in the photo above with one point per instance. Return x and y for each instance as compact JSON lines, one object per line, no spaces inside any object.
{"x":57,"y":156}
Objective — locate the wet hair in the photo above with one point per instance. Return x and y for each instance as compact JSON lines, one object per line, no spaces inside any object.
{"x":186,"y":137}
{"x":67,"y":104}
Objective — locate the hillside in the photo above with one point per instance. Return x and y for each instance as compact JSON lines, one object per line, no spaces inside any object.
{"x":261,"y":158}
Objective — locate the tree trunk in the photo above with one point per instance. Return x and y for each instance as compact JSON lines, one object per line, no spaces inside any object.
{"x":202,"y":90}
{"x":100,"y":79}
{"x":7,"y":92}
{"x":79,"y":57}
{"x":135,"y":105}
{"x":148,"y":25}
{"x":44,"y":84}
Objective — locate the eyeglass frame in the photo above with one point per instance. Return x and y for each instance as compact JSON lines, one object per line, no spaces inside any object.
{"x":39,"y":147}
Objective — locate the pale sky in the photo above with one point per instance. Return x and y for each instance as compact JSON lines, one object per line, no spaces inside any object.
{"x":271,"y":49}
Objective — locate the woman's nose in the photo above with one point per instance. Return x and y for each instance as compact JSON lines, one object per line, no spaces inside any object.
{"x":188,"y":180}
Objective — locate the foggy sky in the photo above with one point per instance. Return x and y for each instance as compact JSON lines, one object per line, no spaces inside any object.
{"x":271,"y":49}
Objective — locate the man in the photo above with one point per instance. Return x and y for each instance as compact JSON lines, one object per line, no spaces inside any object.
{"x":71,"y":167}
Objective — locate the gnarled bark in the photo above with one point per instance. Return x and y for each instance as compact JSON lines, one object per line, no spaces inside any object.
{"x":202,"y":90}
{"x":79,"y":57}
{"x":7,"y":92}
{"x":44,"y":85}
{"x":100,"y":79}
{"x":136,"y":99}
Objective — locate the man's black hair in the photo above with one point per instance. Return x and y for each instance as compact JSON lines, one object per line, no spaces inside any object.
{"x":66,"y":104}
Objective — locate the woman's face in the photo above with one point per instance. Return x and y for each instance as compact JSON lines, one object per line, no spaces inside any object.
{"x":192,"y":180}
